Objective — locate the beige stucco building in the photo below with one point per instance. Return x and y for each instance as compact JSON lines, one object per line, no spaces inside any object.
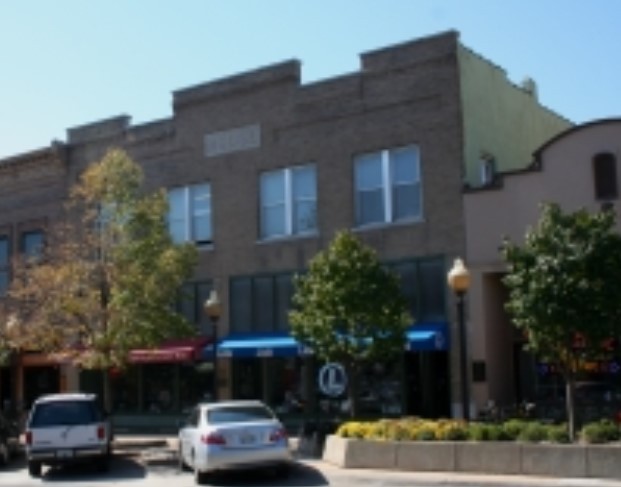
{"x":576,"y":169}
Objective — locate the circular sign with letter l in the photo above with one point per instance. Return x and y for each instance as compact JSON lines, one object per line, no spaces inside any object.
{"x":332,"y":379}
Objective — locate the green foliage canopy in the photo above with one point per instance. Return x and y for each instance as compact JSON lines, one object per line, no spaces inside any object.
{"x":109,"y":274}
{"x":564,"y":283}
{"x":348,"y":308}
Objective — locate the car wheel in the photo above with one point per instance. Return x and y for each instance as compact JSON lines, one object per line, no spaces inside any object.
{"x":200,"y":478}
{"x":103,"y":463}
{"x":282,"y":471}
{"x":4,"y":452}
{"x":34,"y":469}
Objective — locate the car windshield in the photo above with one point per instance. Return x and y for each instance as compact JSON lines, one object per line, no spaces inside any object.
{"x":238,"y":414}
{"x":64,"y":413}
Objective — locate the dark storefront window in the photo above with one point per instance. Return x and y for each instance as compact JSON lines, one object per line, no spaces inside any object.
{"x":284,"y":293}
{"x":241,"y":304}
{"x":191,"y":301}
{"x":160,"y":388}
{"x":432,"y":289}
{"x":423,"y":285}
{"x":194,"y":383}
{"x":126,"y":390}
{"x":261,"y":303}
{"x":158,"y":395}
{"x":247,"y":383}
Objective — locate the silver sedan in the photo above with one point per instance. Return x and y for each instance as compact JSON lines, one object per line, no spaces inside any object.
{"x":233,"y":435}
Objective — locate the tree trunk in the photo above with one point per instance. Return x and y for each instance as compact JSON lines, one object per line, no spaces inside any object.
{"x":107,"y":398}
{"x":569,"y":400}
{"x":352,"y":389}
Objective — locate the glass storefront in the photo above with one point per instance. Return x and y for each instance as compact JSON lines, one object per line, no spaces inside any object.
{"x":168,"y":389}
{"x":416,"y":383}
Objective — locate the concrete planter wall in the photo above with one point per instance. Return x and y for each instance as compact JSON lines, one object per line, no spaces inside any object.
{"x":503,"y":458}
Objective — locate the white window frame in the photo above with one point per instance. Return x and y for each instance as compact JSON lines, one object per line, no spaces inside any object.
{"x":190,"y":214}
{"x":290,"y":202}
{"x":387,"y":187}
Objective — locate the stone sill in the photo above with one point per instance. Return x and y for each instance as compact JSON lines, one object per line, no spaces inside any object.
{"x":502,"y":458}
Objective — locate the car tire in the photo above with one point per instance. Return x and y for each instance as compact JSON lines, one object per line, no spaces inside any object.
{"x":34,"y":468}
{"x":282,"y":471}
{"x":5,"y":454}
{"x":200,"y":478}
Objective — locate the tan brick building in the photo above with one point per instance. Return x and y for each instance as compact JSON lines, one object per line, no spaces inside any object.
{"x":262,"y":171}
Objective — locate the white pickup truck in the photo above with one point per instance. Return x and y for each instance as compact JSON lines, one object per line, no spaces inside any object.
{"x":67,"y":428}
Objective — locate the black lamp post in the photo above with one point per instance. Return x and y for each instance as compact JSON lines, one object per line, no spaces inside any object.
{"x":459,"y":281}
{"x":213,"y":309}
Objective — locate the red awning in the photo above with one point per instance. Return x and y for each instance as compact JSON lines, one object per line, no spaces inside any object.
{"x":174,"y":351}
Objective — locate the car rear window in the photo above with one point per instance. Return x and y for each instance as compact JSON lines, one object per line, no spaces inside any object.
{"x":64,"y":413}
{"x":238,"y":414}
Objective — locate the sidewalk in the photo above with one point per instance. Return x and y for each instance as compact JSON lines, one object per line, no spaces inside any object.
{"x":162,"y":449}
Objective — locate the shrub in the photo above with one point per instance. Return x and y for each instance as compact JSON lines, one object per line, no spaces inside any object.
{"x":534,"y":433}
{"x":425,"y":433}
{"x":452,"y":430}
{"x":558,"y":433}
{"x":486,"y":432}
{"x":601,"y":431}
{"x":354,"y":429}
{"x":513,"y":428}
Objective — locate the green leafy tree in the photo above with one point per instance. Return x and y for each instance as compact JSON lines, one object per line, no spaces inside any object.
{"x":6,"y":343}
{"x":349,"y":309}
{"x":108,"y":276}
{"x":563,"y":288}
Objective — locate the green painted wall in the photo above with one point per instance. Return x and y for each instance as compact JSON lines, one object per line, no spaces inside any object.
{"x":500,"y":118}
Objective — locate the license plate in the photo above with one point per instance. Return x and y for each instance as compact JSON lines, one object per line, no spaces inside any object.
{"x":64,"y":453}
{"x":247,"y":439}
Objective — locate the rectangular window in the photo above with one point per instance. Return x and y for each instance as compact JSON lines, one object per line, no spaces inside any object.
{"x":605,"y":176}
{"x":261,"y":303}
{"x":190,"y":304}
{"x":31,"y":244}
{"x":388,"y":187}
{"x":423,"y":283}
{"x":4,"y":264}
{"x":189,"y":214}
{"x":288,"y":202}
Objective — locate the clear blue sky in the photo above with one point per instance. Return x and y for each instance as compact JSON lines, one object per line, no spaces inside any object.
{"x":64,"y":63}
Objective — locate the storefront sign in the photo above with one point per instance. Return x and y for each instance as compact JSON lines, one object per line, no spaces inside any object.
{"x":332,"y":379}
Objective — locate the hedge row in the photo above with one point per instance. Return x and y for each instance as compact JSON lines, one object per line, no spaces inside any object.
{"x":416,"y":429}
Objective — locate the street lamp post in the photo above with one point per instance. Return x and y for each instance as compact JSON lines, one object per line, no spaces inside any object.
{"x":459,"y":281}
{"x":213,"y":309}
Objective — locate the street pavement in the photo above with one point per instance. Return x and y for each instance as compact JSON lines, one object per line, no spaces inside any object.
{"x":161,"y":450}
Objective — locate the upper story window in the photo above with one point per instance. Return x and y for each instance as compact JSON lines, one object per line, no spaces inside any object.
{"x":31,"y":244}
{"x":189,"y":214}
{"x":261,"y":303}
{"x":388,"y":186}
{"x":4,"y":264}
{"x":192,"y":298}
{"x":605,"y":176}
{"x":288,"y":202}
{"x":423,"y":284}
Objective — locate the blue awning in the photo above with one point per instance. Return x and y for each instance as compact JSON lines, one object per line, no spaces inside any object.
{"x":419,"y":337}
{"x":427,"y":337}
{"x":258,"y":345}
